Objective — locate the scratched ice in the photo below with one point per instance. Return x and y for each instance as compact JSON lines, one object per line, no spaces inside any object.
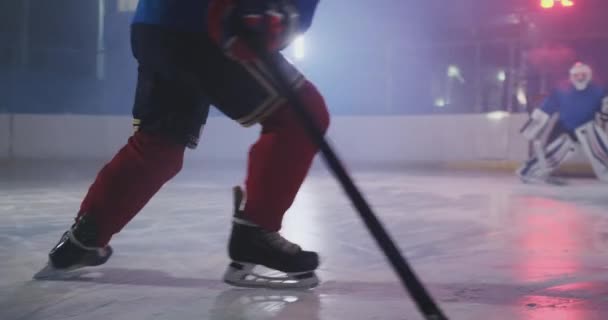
{"x":486,"y":246}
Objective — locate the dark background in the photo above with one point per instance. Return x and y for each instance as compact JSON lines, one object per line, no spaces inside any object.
{"x":367,"y":57}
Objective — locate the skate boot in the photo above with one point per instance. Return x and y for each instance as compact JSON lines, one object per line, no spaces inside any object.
{"x":251,"y":246}
{"x":75,"y":250}
{"x":531,"y":176}
{"x":550,"y":180}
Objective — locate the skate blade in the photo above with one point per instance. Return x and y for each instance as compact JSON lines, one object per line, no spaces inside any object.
{"x":48,"y":272}
{"x":242,"y":275}
{"x":548,"y":181}
{"x":51,"y":273}
{"x":557,"y":182}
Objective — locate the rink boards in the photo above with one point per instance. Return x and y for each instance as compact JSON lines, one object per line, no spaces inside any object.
{"x":461,"y":141}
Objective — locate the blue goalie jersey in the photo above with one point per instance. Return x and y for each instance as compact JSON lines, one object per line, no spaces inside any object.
{"x":575,"y":107}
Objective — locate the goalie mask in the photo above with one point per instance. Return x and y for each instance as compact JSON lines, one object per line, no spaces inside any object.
{"x":580,"y":76}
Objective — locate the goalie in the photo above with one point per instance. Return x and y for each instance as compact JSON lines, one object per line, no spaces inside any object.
{"x":582,"y":112}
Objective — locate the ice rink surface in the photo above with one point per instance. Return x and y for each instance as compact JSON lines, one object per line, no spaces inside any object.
{"x":486,"y":246}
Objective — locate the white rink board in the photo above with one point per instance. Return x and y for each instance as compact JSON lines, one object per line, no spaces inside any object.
{"x":358,"y":139}
{"x":4,"y":136}
{"x":68,"y":136}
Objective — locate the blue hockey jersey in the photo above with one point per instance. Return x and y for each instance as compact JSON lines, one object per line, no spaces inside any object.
{"x":191,"y":15}
{"x":575,"y":107}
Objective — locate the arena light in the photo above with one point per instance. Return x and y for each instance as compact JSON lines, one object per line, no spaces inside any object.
{"x":522,"y":99}
{"x":440,"y":102}
{"x":501,"y":76}
{"x":299,"y":48}
{"x":453,"y":71}
{"x":547,"y":4}
{"x":567,"y":3}
{"x":497,"y":115}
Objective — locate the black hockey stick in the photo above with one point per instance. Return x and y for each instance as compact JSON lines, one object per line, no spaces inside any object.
{"x":419,"y":294}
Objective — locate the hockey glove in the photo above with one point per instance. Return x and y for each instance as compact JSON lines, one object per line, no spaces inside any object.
{"x":243,"y":27}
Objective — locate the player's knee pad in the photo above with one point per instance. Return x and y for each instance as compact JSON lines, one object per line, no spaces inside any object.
{"x":286,"y":118}
{"x":158,"y":154}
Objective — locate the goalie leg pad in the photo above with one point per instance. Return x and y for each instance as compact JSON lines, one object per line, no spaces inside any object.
{"x":536,"y":125}
{"x":594,"y":142}
{"x":602,"y":115}
{"x":546,"y":160}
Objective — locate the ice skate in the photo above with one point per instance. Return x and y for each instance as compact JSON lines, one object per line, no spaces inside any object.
{"x":72,"y":252}
{"x":532,"y":173}
{"x":547,"y":180}
{"x":541,"y":179}
{"x":251,"y":246}
{"x":555,"y":181}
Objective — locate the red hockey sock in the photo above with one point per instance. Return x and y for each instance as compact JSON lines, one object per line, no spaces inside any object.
{"x":127,"y":183}
{"x":280,"y":160}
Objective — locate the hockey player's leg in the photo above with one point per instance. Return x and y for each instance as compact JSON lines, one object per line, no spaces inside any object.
{"x":124,"y":186}
{"x":602,"y":116}
{"x":280,"y":159}
{"x":533,"y":169}
{"x":278,"y":164}
{"x":251,"y":246}
{"x":594,"y":142}
{"x":545,"y":161}
{"x":169,"y":113}
{"x":75,"y":249}
{"x":119,"y":192}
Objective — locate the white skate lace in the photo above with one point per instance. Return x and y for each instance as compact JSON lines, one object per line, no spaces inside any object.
{"x":275,"y":239}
